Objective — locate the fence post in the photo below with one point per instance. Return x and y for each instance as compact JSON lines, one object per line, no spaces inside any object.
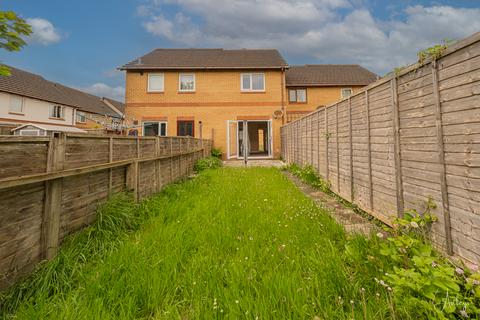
{"x":132,"y":179}
{"x":110,"y":171}
{"x":352,"y":193}
{"x":311,"y":140}
{"x":441,"y":158}
{"x":53,"y":197}
{"x":327,"y":138}
{"x":157,"y":164}
{"x":338,"y":149}
{"x":396,"y":146}
{"x":171,"y":159}
{"x":318,"y":142}
{"x":369,"y":150}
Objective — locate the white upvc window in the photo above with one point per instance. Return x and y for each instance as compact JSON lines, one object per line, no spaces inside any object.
{"x":186,"y":82}
{"x":155,"y":128}
{"x":16,"y":104}
{"x":297,"y":95}
{"x":252,"y":82}
{"x":81,"y":117}
{"x":56,"y":112}
{"x":156,"y":82}
{"x":346,"y":92}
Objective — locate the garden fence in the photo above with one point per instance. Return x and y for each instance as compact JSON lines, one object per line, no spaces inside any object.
{"x":51,"y":186}
{"x":404,"y":139}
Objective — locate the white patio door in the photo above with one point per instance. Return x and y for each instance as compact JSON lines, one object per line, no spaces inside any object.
{"x":232,"y":139}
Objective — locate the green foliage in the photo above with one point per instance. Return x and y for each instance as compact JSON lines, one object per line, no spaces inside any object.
{"x":207,"y":163}
{"x":310,"y":176}
{"x":12,"y":30}
{"x":423,"y":282}
{"x":433,"y":52}
{"x":216,"y":152}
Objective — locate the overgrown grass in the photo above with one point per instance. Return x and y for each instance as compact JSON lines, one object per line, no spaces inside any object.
{"x":232,"y":243}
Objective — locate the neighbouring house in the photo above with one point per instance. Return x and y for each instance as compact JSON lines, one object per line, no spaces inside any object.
{"x":32,"y":105}
{"x":211,"y":93}
{"x":230,"y":95}
{"x":311,"y":87}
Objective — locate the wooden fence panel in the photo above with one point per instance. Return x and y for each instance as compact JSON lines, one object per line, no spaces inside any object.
{"x":52,"y":186}
{"x":403,"y":140}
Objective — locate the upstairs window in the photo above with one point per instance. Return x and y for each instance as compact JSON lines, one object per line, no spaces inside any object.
{"x":81,"y":117}
{"x":155,"y":82}
{"x":253,"y":82}
{"x":346,"y":92}
{"x":186,"y":82}
{"x":297,"y":95}
{"x":16,"y":104}
{"x":56,"y":112}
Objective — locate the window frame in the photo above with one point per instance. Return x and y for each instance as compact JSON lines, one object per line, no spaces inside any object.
{"x":22,"y":99}
{"x":149,"y":89}
{"x":296,"y":95}
{"x":180,"y":82}
{"x":250,"y":75}
{"x":159,"y":128}
{"x":80,"y":114}
{"x":61,"y":114}
{"x":346,"y":88}
{"x":193,"y":128}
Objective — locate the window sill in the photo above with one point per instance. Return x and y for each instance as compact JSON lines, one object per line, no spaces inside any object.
{"x":186,"y":92}
{"x":17,"y":113}
{"x":301,"y":103}
{"x":155,"y":92}
{"x":254,"y":92}
{"x":53,"y":118}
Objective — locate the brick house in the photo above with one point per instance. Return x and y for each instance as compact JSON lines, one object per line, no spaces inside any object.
{"x":210,"y":93}
{"x":230,"y":96}
{"x":311,"y":87}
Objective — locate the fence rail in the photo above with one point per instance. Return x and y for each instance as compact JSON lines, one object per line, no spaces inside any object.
{"x":51,"y":186}
{"x":404,"y":139}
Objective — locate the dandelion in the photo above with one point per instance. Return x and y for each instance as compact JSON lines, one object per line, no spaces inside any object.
{"x":389,"y":289}
{"x":380,"y":235}
{"x":352,"y":302}
{"x":378,"y":295}
{"x":414,"y":224}
{"x":237,"y":302}
{"x":362,"y":290}
{"x":246,"y":258}
{"x":221,"y":310}
{"x":459,"y":271}
{"x":250,"y":238}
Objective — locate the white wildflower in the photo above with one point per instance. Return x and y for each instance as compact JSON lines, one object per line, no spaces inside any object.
{"x":414,"y":224}
{"x":380,"y":235}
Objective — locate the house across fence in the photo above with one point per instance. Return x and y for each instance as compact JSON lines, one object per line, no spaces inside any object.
{"x":404,"y":139}
{"x":51,"y":186}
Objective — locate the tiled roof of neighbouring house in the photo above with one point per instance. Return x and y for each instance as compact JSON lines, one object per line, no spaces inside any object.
{"x":329,"y":75}
{"x":208,"y":59}
{"x":30,"y":85}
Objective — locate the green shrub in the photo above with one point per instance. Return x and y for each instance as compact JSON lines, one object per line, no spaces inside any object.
{"x":216,"y":152}
{"x":421,"y":281}
{"x":207,"y":163}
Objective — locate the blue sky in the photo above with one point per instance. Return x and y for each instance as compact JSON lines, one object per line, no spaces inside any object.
{"x":81,"y":43}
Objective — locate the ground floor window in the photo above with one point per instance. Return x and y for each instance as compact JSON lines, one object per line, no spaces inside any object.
{"x":186,"y":128}
{"x":155,"y":128}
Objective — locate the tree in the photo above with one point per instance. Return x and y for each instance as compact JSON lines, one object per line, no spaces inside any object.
{"x":12,"y":29}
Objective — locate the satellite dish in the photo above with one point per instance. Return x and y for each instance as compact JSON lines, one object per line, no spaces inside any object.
{"x":277,"y":114}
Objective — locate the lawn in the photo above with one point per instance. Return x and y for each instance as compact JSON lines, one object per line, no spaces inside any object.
{"x":231,"y":243}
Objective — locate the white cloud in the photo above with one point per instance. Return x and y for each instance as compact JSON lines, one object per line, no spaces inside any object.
{"x":312,"y":28}
{"x":104,"y":90}
{"x":43,"y":31}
